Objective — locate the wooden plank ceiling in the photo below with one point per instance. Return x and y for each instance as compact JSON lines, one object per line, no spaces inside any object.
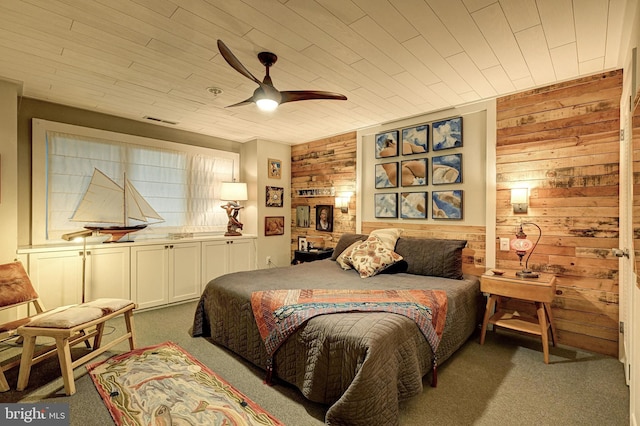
{"x":391,"y":58}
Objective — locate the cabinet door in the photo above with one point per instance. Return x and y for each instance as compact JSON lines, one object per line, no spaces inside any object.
{"x":242,"y":255}
{"x":184,"y":271}
{"x":57,"y":277}
{"x":215,"y":260}
{"x":150,"y":275}
{"x":109,"y":273}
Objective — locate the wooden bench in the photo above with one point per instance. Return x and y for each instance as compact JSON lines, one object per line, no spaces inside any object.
{"x":69,"y":327}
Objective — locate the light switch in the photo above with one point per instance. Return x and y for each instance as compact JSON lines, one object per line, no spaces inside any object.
{"x":504,"y":244}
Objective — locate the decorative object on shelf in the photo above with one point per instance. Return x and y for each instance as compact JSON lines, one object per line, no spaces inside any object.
{"x":274,"y":196}
{"x":414,"y":172}
{"x":522,"y":245}
{"x":446,"y":169}
{"x":520,"y":199}
{"x":415,"y":140}
{"x":266,"y":96}
{"x":303,"y":218}
{"x":232,"y":192}
{"x":387,"y":144}
{"x":81,"y":236}
{"x":342,"y":201}
{"x":324,"y":218}
{"x":302,"y":243}
{"x":446,"y":204}
{"x":386,"y":205}
{"x":316,"y":192}
{"x":274,"y":168}
{"x":387,"y":175}
{"x":413,"y":205}
{"x":273,"y":225}
{"x":447,"y":134}
{"x":105,"y":201}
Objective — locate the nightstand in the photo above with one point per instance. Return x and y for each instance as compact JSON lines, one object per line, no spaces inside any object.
{"x":540,"y":291}
{"x":300,"y":256}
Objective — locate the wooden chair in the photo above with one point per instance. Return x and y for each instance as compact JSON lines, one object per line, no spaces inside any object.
{"x":67,"y":325}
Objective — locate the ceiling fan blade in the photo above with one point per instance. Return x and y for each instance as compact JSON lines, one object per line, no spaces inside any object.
{"x":303,"y":95}
{"x":245,"y":102}
{"x":235,"y":62}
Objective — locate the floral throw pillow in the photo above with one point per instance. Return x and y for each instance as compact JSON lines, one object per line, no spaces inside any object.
{"x":344,"y":260}
{"x":371,"y":257}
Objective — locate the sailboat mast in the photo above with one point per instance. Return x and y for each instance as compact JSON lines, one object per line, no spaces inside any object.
{"x":124,"y":194}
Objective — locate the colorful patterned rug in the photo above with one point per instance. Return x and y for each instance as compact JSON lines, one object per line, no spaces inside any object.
{"x":164,"y":385}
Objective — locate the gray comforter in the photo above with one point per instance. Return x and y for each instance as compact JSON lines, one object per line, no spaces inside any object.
{"x":362,"y":363}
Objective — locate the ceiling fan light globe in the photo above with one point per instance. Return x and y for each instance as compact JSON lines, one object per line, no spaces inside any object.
{"x":266,"y":104}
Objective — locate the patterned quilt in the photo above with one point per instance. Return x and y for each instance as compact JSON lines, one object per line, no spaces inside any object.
{"x":279,"y":313}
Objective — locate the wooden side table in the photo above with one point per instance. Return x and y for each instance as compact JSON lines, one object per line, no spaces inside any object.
{"x":541,"y":291}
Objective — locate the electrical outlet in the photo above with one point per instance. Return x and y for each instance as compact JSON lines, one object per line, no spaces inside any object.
{"x":504,"y":244}
{"x":268,"y":260}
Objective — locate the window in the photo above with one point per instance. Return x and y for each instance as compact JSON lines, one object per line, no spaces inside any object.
{"x":180,"y":182}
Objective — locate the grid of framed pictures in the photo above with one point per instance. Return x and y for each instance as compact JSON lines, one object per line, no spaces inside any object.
{"x":420,"y":164}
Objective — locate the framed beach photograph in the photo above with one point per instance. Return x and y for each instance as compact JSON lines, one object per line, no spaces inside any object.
{"x":415,"y":140}
{"x":387,"y":175}
{"x":303,"y":219}
{"x":446,"y":204}
{"x":324,"y":218}
{"x":446,"y":169}
{"x":273,"y":225}
{"x":414,"y":172}
{"x":273,"y":196}
{"x":413,"y":205}
{"x":387,"y":144}
{"x":446,"y":134}
{"x":386,"y":205}
{"x":274,"y":168}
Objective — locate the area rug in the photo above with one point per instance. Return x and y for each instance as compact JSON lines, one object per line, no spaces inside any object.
{"x":164,"y":385}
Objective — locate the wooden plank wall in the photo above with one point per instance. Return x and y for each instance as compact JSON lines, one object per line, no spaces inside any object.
{"x":329,"y":162}
{"x":562,"y":141}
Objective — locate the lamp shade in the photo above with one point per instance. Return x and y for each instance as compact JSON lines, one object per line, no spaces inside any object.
{"x":233,"y":191}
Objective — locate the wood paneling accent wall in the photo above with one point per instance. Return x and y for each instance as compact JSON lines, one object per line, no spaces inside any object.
{"x":562,"y":142}
{"x":325,"y":163}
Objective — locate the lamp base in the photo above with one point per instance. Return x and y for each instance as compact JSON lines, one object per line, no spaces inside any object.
{"x":527,"y":274}
{"x":232,"y":234}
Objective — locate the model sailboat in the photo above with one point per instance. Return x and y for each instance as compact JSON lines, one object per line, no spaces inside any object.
{"x":106,"y":202}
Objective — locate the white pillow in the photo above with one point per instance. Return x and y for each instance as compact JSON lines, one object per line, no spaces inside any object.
{"x":388,"y":236}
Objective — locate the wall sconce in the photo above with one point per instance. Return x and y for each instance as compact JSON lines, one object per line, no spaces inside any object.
{"x":520,"y":199}
{"x":342,"y":201}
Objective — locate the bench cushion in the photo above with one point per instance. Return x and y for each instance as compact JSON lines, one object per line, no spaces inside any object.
{"x":76,"y":315}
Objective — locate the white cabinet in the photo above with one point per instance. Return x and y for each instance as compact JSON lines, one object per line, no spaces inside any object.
{"x":165,"y":273}
{"x":57,"y":275}
{"x":226,"y":256}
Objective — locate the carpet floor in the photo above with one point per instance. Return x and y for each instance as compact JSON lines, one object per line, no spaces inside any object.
{"x":503,"y":381}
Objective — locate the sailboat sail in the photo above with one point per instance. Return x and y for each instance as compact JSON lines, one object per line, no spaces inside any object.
{"x":107,"y":202}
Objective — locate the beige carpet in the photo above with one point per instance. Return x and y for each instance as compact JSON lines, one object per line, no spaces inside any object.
{"x":504,"y":381}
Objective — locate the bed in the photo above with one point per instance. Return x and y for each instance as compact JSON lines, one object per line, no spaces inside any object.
{"x":360,"y":364}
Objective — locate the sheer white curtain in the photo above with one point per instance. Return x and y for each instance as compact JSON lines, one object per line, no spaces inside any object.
{"x":182,"y":186}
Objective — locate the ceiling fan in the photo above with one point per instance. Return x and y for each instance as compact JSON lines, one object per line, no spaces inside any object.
{"x":266,"y":96}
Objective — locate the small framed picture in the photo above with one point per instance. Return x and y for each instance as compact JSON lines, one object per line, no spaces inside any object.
{"x":273,"y":196}
{"x":324,"y":218}
{"x":415,"y":140}
{"x":274,"y":168}
{"x":446,"y":204}
{"x":302,"y":216}
{"x":387,"y":175}
{"x":386,"y":205}
{"x":446,"y":169}
{"x":447,"y":134}
{"x":387,"y":144}
{"x":302,"y":243}
{"x":414,"y":172}
{"x":273,"y":225}
{"x":413,"y":205}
